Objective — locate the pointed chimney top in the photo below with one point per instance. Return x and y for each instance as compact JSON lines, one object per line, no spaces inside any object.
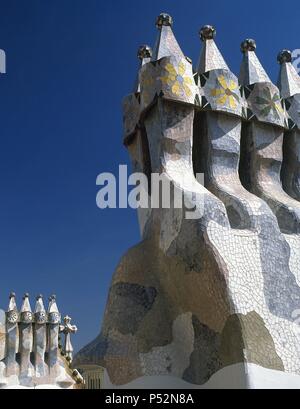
{"x":289,"y":80}
{"x":166,"y":43}
{"x":251,"y":71}
{"x":12,"y":315}
{"x":210,"y":57}
{"x":53,"y":313}
{"x":26,"y":304}
{"x":39,"y":305}
{"x":207,"y":32}
{"x":26,"y":312}
{"x":12,"y":306}
{"x":164,"y":19}
{"x":39,"y":311}
{"x":52,"y":304}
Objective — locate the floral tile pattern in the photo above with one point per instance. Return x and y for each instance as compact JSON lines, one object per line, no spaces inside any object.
{"x":269,"y":102}
{"x":221,"y":91}
{"x":177,"y":79}
{"x":266,"y":104}
{"x":225,"y":93}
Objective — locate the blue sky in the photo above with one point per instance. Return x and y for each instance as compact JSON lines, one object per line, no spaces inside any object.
{"x":69,"y":64}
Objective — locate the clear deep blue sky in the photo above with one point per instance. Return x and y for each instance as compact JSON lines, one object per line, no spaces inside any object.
{"x":69,"y":63}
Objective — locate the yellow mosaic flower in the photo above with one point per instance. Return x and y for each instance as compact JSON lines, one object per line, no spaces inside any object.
{"x":225,"y":92}
{"x":176,"y":79}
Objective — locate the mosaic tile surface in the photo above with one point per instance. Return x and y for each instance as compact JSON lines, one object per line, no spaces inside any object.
{"x":195,"y":296}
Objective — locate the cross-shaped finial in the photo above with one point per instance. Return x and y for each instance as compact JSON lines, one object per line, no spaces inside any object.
{"x":67,"y":329}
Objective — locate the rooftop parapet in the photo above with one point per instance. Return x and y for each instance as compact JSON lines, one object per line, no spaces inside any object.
{"x":31,"y":346}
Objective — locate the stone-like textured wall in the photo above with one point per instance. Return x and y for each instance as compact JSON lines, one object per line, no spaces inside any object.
{"x":199,"y":295}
